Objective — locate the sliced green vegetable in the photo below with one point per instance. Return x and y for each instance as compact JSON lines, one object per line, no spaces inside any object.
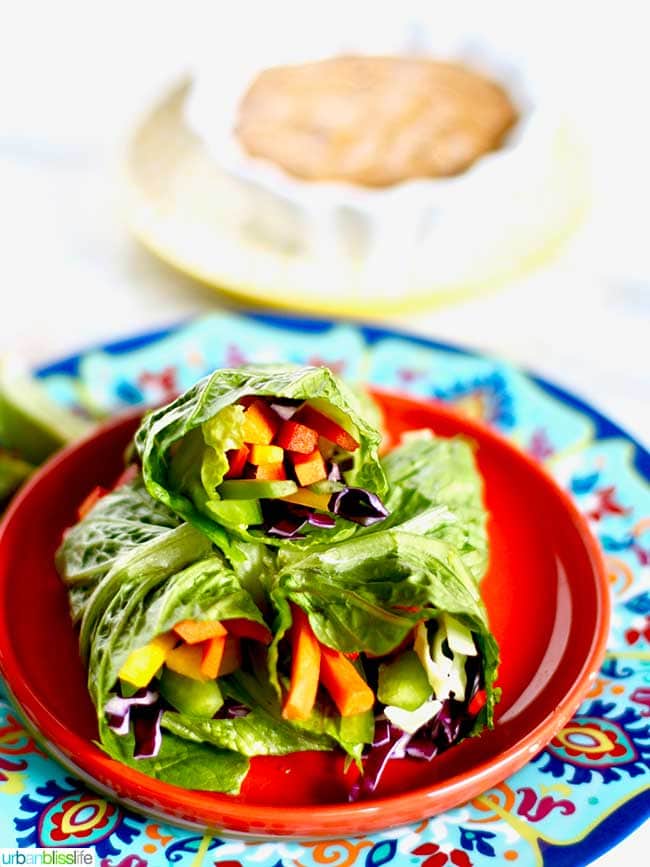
{"x":240,"y":512}
{"x":403,"y":682}
{"x":252,"y":489}
{"x":193,"y":697}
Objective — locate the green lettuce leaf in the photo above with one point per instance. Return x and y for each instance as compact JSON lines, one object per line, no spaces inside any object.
{"x":182,"y":762}
{"x":146,"y":566}
{"x":119,"y":522}
{"x":436,"y":489}
{"x":172,"y":450}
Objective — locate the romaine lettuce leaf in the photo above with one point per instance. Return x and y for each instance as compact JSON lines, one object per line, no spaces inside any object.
{"x":436,"y":486}
{"x":182,"y":762}
{"x":119,"y":522}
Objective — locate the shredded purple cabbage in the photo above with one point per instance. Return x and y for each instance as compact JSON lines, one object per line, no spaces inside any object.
{"x":422,"y":749}
{"x":358,"y":505}
{"x":286,"y":520}
{"x":118,"y":709}
{"x":378,"y":758}
{"x":147,"y":732}
{"x":232,"y":709}
{"x":322,"y":521}
{"x":451,"y":724}
{"x":281,"y":520}
{"x":143,"y":711}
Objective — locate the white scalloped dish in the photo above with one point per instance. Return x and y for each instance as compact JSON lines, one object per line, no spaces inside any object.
{"x":384,"y":243}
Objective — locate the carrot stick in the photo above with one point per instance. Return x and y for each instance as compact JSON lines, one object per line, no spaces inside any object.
{"x":349,"y":691}
{"x":195,"y":631}
{"x":305,"y":665}
{"x":213,"y":651}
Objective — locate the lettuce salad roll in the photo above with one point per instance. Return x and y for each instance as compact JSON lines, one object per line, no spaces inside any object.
{"x":276,"y":454}
{"x":264,"y":584}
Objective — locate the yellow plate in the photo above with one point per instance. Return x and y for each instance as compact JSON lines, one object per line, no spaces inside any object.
{"x":194,"y":216}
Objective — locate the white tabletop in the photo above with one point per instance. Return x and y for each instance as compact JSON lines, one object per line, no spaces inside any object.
{"x":70,"y":276}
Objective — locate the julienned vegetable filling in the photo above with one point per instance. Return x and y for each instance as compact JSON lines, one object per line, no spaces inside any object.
{"x":417,"y":701}
{"x":264,"y":584}
{"x":284,"y":470}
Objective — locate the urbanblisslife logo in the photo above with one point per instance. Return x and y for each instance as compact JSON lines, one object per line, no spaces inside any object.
{"x":50,"y":857}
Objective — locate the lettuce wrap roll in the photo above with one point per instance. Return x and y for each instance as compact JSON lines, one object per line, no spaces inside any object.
{"x":400,"y":632}
{"x":277,"y":454}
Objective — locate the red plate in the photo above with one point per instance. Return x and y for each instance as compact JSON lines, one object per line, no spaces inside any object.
{"x":546,"y":593}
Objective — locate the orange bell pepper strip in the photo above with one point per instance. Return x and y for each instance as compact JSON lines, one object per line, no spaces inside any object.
{"x":349,"y":691}
{"x":268,"y":472}
{"x":232,"y":658}
{"x":196,"y":631}
{"x":243,"y":628}
{"x":305,"y":666}
{"x":213,"y":653}
{"x":308,"y":468}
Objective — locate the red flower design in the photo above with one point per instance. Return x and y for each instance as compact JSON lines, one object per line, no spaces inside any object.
{"x":70,"y":807}
{"x":606,"y":743}
{"x":437,"y":857}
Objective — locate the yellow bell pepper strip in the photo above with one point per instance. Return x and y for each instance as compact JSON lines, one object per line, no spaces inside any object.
{"x":349,"y":691}
{"x":305,"y":667}
{"x":143,"y":663}
{"x":186,"y":660}
{"x":260,"y":424}
{"x":266,"y":455}
{"x":305,"y":497}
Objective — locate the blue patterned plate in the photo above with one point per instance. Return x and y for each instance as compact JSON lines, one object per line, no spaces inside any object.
{"x":585,"y":791}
